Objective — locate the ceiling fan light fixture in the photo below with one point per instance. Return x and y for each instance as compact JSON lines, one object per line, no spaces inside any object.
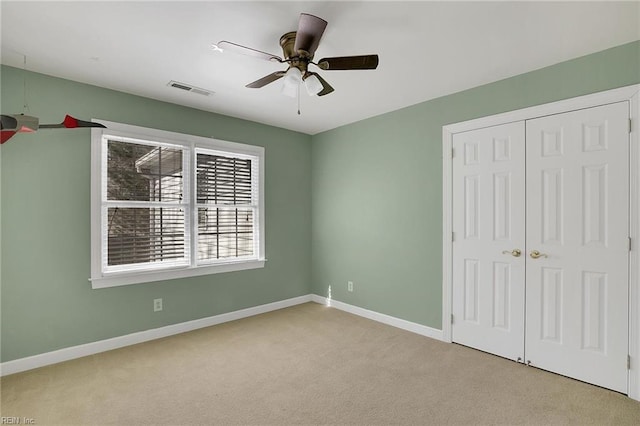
{"x":291,"y":82}
{"x":313,"y":85}
{"x":290,"y":91}
{"x":292,"y":76}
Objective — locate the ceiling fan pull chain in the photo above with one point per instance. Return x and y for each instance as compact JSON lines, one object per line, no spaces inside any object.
{"x":299,"y":98}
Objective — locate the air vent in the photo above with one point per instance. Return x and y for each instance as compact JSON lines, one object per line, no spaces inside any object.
{"x":189,"y":88}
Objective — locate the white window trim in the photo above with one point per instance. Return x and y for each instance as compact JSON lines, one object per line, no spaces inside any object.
{"x":99,"y":279}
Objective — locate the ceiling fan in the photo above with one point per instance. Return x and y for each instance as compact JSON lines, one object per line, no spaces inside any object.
{"x":298,"y":48}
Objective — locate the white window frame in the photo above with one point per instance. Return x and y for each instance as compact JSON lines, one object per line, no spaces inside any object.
{"x":194,"y":144}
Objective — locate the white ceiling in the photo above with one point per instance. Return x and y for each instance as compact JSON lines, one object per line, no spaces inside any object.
{"x":427,"y":49}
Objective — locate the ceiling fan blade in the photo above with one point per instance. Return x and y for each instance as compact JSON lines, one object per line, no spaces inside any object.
{"x":310,"y":30}
{"x":364,"y":62}
{"x":326,"y":87}
{"x":266,"y":80}
{"x":243,"y":50}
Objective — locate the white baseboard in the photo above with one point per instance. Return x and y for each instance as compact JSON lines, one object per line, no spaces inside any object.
{"x":73,"y":352}
{"x":385,"y":319}
{"x":53,"y":357}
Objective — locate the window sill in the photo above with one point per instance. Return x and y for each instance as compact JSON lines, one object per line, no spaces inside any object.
{"x":127,"y":278}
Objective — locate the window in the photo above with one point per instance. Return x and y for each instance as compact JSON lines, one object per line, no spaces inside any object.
{"x":166,"y":205}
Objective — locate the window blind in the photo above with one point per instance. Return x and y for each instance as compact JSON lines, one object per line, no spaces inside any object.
{"x":145,"y":221}
{"x":227,"y":202}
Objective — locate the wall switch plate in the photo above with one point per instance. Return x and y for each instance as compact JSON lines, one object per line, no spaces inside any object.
{"x":157,"y":305}
{"x":350,"y":285}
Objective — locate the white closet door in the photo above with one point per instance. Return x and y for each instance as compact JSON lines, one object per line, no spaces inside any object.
{"x":488,"y":224}
{"x":578,"y":219}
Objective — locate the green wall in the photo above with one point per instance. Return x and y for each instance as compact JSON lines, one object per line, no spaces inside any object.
{"x":47,"y":302}
{"x":377,"y":185}
{"x":359,"y":203}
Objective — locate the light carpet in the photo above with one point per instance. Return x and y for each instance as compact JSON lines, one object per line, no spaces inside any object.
{"x":307,"y":364}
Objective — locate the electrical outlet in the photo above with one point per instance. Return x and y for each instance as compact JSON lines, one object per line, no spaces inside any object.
{"x":350,"y":285}
{"x":157,"y":305}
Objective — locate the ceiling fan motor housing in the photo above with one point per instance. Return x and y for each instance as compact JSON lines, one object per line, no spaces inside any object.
{"x":298,"y":60}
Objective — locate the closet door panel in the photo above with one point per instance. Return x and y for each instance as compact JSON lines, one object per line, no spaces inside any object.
{"x":488,"y":224}
{"x":578,"y":220}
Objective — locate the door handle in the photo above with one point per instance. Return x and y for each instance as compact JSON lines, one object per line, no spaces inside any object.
{"x":535,"y":254}
{"x":514,"y":252}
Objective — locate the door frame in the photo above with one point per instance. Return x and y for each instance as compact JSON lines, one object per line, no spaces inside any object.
{"x":627,"y":93}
